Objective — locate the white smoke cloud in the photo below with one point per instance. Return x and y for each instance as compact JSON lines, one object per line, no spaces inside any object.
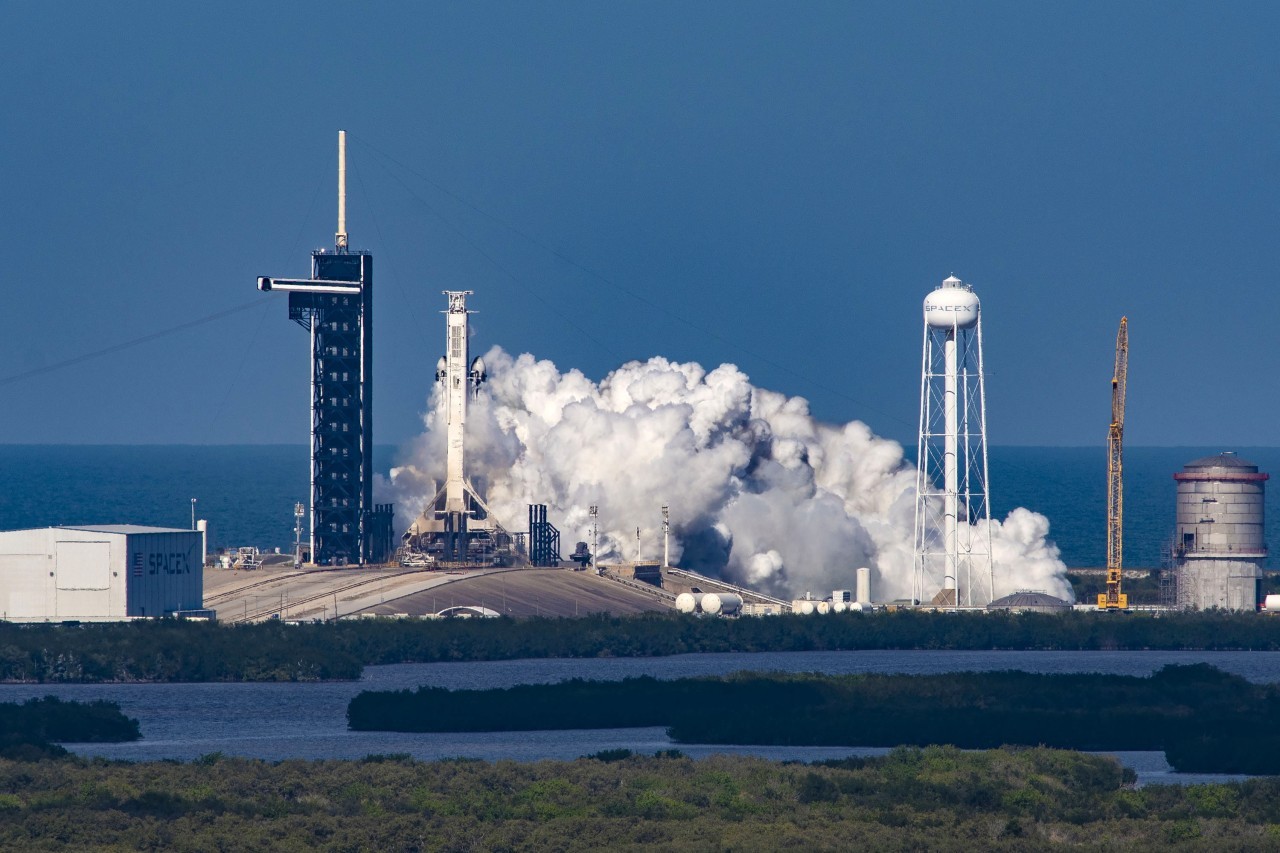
{"x":760,"y":492}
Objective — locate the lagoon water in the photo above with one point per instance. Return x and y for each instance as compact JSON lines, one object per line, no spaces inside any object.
{"x":308,"y":721}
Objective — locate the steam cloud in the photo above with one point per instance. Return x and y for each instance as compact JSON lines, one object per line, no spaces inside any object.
{"x":760,"y":492}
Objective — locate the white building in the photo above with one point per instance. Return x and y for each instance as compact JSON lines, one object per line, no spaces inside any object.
{"x":99,"y":573}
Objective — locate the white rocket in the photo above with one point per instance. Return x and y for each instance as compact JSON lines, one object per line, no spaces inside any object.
{"x":456,"y":525}
{"x":460,"y":380}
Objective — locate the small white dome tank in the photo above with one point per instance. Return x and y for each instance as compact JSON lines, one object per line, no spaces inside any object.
{"x":807,"y":607}
{"x":721,"y":603}
{"x":687,"y":602}
{"x":952,"y":305}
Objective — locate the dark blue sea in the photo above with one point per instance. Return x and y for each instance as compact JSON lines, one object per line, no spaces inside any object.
{"x":247,"y":492}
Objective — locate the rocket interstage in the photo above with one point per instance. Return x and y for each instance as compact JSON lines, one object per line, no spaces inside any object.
{"x":953,"y":511}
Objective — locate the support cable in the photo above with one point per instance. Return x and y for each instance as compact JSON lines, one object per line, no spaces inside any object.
{"x":124,"y":345}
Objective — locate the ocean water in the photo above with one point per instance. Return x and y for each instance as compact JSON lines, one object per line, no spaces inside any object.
{"x":247,"y":492}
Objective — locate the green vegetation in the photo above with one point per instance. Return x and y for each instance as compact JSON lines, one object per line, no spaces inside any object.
{"x":936,"y":799}
{"x":185,"y":651}
{"x":1171,"y":710}
{"x":29,"y":731}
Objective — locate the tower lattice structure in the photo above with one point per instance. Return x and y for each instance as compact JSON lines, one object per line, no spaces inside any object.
{"x":952,"y":555}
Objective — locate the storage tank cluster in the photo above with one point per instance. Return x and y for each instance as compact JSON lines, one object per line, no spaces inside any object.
{"x":711,"y":603}
{"x":1219,"y":543}
{"x":841,"y":600}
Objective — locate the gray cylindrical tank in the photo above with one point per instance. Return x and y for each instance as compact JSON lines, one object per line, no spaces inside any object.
{"x":1218,"y":539}
{"x":721,"y":603}
{"x":1220,"y":508}
{"x":687,"y":602}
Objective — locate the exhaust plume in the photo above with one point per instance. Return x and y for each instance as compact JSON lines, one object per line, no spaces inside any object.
{"x":760,"y":492}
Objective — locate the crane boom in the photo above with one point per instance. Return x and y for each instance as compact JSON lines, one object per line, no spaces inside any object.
{"x":1113,"y":598}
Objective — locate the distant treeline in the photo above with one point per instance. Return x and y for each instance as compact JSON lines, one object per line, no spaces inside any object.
{"x":937,"y":799}
{"x":1205,"y":719}
{"x":167,"y":650}
{"x":31,"y":730}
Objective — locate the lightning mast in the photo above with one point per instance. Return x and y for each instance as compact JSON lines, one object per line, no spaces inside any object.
{"x":1113,"y":598}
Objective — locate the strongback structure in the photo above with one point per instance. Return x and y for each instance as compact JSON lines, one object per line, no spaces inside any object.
{"x":953,"y":512}
{"x":335,"y":306}
{"x":1219,"y":543}
{"x":457,"y":527}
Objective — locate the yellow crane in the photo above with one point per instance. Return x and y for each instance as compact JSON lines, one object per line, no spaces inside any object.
{"x":1113,"y":598}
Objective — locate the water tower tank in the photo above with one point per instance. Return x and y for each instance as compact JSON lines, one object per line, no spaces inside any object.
{"x":1218,"y":540}
{"x":953,"y":304}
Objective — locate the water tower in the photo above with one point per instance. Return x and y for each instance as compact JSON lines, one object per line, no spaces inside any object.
{"x":952,"y":557}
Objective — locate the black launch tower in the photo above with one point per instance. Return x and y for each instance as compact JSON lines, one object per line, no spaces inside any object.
{"x":336,"y":306}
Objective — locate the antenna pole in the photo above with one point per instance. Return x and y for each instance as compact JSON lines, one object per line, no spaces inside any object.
{"x":341,"y":236}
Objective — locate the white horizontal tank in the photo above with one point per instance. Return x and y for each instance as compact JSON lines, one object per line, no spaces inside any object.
{"x":721,"y":603}
{"x":687,"y":602}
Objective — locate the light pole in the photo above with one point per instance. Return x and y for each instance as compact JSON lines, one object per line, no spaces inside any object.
{"x":595,"y":536}
{"x":193,"y":513}
{"x":298,"y":511}
{"x":666,"y":536}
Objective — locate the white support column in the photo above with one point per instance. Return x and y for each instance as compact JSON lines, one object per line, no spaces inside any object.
{"x":666,"y":536}
{"x":950,"y":466}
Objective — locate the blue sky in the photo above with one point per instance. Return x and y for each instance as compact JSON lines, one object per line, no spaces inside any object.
{"x":774,"y":185}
